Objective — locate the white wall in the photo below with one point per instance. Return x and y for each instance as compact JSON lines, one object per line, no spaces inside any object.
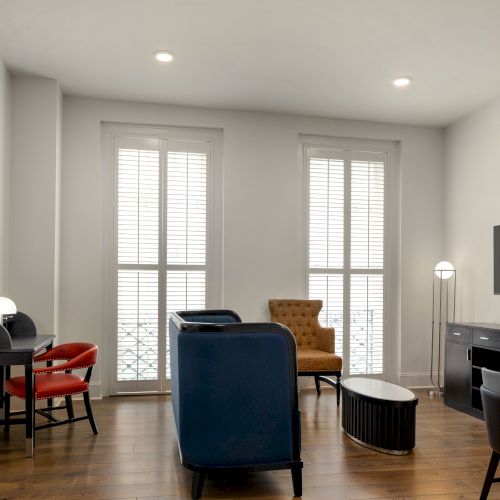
{"x":472,"y":148}
{"x":263,"y":215}
{"x":4,"y":172}
{"x":36,"y":114}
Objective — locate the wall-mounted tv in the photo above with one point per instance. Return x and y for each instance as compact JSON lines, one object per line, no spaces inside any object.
{"x":496,"y":260}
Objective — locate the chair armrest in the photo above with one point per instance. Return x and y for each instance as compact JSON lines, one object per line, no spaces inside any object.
{"x":84,"y":360}
{"x":326,"y":339}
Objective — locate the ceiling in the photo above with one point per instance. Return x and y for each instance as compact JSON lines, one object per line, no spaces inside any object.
{"x":332,"y":58}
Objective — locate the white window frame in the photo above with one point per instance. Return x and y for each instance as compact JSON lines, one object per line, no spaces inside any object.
{"x":214,"y":263}
{"x":392,"y":245}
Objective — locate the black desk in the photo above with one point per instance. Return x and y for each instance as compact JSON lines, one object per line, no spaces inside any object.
{"x":21,"y":352}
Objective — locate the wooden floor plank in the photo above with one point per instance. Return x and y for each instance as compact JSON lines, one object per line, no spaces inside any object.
{"x":135,"y":456}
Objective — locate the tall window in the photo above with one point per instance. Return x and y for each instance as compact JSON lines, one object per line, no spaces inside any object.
{"x":161,"y":250}
{"x":346,"y":251}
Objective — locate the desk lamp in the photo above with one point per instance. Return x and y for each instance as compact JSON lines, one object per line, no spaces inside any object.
{"x":7,"y":308}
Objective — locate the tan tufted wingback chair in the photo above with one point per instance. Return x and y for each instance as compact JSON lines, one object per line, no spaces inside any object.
{"x":315,"y":344}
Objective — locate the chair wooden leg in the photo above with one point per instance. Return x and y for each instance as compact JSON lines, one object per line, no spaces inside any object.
{"x":316,"y":381}
{"x":329,"y":381}
{"x":490,"y":475}
{"x":6,"y":402}
{"x":69,"y":407}
{"x":2,"y":392}
{"x":6,"y":413}
{"x":86,"y":400}
{"x":197,"y":484}
{"x":297,"y":480}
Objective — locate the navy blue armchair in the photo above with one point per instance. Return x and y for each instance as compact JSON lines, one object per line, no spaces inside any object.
{"x":234,"y":394}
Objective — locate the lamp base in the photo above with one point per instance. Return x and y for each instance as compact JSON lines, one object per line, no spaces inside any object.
{"x":436,"y":393}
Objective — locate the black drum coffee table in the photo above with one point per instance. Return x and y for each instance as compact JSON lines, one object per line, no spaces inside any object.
{"x":379,"y":415}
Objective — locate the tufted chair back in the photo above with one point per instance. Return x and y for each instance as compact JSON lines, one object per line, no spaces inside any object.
{"x":301,"y":317}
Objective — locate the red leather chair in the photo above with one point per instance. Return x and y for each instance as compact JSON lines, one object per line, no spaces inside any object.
{"x":58,"y":381}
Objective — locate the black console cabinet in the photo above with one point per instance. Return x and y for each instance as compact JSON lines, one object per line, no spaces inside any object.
{"x":469,"y":347}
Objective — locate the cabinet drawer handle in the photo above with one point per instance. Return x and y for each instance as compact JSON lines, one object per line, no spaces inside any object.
{"x":457,"y":334}
{"x":484,"y":338}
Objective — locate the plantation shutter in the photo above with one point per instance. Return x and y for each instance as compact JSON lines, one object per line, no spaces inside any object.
{"x":186,"y":229}
{"x":367,"y":260}
{"x":161,"y":250}
{"x":326,"y":238}
{"x":346,"y":241}
{"x":137,"y":224}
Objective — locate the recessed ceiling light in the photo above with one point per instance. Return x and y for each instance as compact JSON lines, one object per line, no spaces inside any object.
{"x":163,"y":55}
{"x":401,"y":81}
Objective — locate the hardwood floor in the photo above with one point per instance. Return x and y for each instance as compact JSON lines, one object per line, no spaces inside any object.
{"x":135,"y":456}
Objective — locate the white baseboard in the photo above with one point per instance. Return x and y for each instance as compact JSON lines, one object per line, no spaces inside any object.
{"x":95,"y":392}
{"x":414,"y":380}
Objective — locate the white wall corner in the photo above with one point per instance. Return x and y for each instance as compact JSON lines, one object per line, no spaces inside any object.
{"x":5,"y":118}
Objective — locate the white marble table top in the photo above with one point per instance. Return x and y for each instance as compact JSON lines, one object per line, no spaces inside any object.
{"x":378,"y":389}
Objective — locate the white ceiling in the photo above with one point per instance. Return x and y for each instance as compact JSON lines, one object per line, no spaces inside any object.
{"x":311,"y":57}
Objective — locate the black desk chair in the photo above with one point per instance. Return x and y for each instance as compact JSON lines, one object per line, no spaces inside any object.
{"x":17,"y":325}
{"x":490,"y":395}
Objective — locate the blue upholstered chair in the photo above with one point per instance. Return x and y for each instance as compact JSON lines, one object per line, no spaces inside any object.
{"x":234,"y":394}
{"x":490,"y":396}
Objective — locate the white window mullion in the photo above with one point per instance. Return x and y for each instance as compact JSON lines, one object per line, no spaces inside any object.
{"x":346,"y":361}
{"x":163,"y":344}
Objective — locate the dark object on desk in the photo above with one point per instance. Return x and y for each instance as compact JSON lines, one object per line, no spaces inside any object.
{"x":491,"y":404}
{"x":17,"y":325}
{"x":5,"y":338}
{"x":58,"y":381}
{"x":469,"y":347}
{"x":20,"y":325}
{"x":234,"y":394}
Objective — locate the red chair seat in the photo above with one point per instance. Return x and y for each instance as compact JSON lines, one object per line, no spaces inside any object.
{"x":49,"y":385}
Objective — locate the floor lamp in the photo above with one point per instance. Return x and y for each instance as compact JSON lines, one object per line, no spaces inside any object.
{"x":444,"y":285}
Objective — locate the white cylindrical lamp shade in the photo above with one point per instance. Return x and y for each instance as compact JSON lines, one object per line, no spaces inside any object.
{"x":444,"y":270}
{"x":7,"y":306}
